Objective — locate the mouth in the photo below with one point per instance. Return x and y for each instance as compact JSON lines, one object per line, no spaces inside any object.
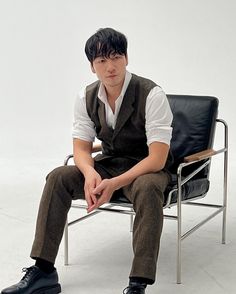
{"x":111,"y":76}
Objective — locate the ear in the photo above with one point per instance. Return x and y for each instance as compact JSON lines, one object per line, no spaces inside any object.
{"x":127,"y":60}
{"x":92,"y":68}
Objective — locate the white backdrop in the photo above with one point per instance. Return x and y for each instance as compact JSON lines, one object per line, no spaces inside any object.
{"x":186,"y":46}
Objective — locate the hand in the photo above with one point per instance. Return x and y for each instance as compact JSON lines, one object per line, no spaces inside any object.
{"x":104,"y":191}
{"x":92,"y":180}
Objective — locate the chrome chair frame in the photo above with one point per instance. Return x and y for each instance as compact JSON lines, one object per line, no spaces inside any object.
{"x":126,"y":208}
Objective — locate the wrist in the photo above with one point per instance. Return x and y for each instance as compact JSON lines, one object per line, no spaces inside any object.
{"x":119,"y":182}
{"x":88,"y":170}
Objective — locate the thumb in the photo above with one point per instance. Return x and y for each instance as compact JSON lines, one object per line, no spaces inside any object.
{"x":98,"y":189}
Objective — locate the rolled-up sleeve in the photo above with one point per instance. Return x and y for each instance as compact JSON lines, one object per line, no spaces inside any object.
{"x":158,"y":117}
{"x":83,"y":126}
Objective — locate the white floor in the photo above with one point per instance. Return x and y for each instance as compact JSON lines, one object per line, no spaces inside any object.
{"x":100,"y":248}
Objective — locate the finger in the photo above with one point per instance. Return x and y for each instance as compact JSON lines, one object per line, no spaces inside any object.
{"x":87,"y":197}
{"x":101,"y":201}
{"x":94,"y":198}
{"x":91,"y":208}
{"x":91,"y":203}
{"x":90,"y":199}
{"x":98,"y":189}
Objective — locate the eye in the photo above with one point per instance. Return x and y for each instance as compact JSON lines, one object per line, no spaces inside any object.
{"x":100,"y":60}
{"x":117,"y":56}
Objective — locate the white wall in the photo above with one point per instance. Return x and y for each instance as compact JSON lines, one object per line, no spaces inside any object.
{"x":186,"y":46}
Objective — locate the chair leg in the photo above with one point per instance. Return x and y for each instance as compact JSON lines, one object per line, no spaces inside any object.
{"x":179,"y":228}
{"x":224,"y":212}
{"x":225,"y":193}
{"x":66,"y":258}
{"x":225,"y":184}
{"x":224,"y":227}
{"x":179,"y":265}
{"x":131,"y":222}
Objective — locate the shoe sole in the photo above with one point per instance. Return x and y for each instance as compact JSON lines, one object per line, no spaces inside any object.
{"x":49,"y":290}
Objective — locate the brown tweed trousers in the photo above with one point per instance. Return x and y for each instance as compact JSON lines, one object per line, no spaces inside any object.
{"x":66,"y":183}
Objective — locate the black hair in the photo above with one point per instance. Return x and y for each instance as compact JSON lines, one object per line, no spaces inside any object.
{"x":104,"y":43}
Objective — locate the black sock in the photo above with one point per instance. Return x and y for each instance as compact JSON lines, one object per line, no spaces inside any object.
{"x":44,"y":265}
{"x":139,"y":280}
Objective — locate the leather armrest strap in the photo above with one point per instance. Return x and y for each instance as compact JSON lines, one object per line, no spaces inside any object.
{"x":200,"y":155}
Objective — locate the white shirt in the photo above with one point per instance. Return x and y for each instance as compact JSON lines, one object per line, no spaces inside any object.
{"x":157,"y":113}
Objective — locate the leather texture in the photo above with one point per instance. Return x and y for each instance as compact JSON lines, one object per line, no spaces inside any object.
{"x":135,"y":288}
{"x":194,"y":120}
{"x":35,"y":281}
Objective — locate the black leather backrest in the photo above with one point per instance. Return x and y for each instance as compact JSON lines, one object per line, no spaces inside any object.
{"x":194,"y":119}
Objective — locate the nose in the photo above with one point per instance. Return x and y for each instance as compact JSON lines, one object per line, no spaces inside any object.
{"x":110,"y":66}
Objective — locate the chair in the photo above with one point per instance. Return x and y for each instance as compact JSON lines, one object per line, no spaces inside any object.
{"x":194,"y":124}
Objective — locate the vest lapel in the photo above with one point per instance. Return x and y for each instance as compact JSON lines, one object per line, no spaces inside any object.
{"x":105,"y":130}
{"x":126,"y":108}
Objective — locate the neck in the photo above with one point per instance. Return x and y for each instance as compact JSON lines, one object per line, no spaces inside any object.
{"x":113,"y":92}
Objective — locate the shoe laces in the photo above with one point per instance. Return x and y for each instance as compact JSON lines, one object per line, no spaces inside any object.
{"x":29,"y":271}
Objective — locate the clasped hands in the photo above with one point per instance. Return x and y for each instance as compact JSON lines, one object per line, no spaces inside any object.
{"x":98,"y":191}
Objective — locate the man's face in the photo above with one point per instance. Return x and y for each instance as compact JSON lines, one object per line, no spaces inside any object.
{"x":110,"y":71}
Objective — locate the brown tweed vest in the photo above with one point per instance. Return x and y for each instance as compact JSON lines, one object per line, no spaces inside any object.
{"x":128,"y":139}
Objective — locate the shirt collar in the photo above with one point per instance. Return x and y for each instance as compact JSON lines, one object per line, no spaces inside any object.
{"x":102,"y":92}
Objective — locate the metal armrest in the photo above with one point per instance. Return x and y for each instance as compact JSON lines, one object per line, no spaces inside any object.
{"x":197,"y":157}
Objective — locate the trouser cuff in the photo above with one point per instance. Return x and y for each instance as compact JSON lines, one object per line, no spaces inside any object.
{"x":144,"y":268}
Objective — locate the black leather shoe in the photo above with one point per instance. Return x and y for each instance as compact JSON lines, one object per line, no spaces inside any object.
{"x":135,"y":288}
{"x":35,"y":282}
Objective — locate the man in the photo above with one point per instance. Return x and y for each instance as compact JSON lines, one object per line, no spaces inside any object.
{"x":131,"y":116}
